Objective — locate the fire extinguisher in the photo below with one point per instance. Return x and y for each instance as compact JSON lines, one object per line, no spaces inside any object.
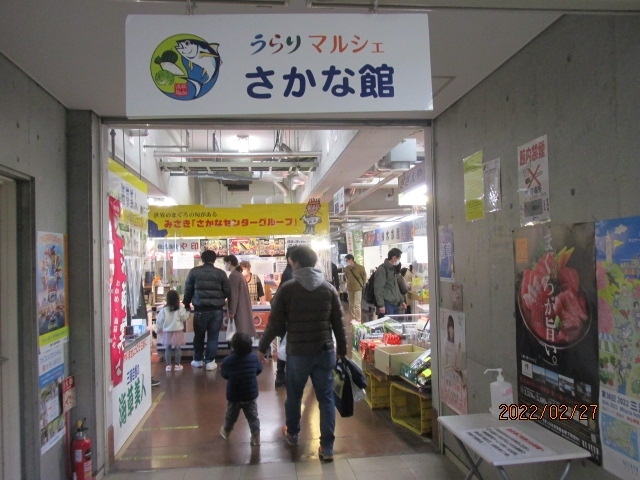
{"x":82,"y":467}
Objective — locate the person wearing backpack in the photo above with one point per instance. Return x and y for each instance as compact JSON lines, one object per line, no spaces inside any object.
{"x":356,"y":278}
{"x":389,"y":300}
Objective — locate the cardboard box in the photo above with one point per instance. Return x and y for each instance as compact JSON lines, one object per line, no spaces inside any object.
{"x":388,"y":358}
{"x":358,"y":360}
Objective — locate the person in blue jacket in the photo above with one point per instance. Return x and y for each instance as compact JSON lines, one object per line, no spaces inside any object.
{"x":241,"y":369}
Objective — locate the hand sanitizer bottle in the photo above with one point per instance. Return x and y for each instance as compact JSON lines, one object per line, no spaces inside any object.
{"x":501,"y":392}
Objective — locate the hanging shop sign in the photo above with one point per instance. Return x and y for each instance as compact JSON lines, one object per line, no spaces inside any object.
{"x":412,"y":186}
{"x":311,"y":218}
{"x":399,"y":233}
{"x":204,"y":65}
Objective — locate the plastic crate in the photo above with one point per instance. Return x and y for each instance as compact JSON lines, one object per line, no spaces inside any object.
{"x":410,"y":408}
{"x":377,"y":391}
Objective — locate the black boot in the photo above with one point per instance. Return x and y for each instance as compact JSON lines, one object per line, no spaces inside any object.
{"x":280,"y":373}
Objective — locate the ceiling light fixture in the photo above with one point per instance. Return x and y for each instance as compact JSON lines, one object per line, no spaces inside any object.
{"x":209,"y":154}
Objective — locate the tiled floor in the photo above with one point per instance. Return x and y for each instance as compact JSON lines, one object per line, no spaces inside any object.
{"x":179,"y":439}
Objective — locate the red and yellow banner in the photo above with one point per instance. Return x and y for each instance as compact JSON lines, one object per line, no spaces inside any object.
{"x":118,"y":295}
{"x":311,"y":218}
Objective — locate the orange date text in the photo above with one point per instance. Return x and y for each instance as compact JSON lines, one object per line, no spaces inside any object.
{"x":550,"y":411}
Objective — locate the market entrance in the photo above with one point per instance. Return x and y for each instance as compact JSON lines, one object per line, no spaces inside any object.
{"x":369,"y":186}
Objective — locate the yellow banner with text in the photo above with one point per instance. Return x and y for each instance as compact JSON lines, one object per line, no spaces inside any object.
{"x":311,"y":218}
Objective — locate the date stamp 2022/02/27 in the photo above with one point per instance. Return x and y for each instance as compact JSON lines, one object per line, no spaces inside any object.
{"x":549,"y":411}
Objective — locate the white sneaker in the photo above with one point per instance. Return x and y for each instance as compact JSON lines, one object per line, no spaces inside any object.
{"x":177,"y":368}
{"x":211,"y":366}
{"x":196,"y":363}
{"x":168,"y":368}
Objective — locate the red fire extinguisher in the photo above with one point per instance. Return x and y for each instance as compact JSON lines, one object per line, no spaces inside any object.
{"x":82,"y":467}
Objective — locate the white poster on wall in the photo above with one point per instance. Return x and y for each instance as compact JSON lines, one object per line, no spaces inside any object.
{"x":453,"y":363}
{"x":183,"y":260}
{"x":533,"y":182}
{"x":492,"y":187}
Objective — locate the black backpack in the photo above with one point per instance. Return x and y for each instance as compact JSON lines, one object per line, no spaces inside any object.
{"x":368,"y":292}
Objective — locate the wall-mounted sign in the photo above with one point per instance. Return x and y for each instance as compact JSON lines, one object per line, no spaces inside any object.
{"x":68,"y":394}
{"x":204,"y":65}
{"x":533,"y":182}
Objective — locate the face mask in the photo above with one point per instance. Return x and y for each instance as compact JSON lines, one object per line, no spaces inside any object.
{"x":395,"y":262}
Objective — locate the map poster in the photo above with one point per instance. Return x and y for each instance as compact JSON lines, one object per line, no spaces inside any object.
{"x":618,"y":281}
{"x":557,"y":329}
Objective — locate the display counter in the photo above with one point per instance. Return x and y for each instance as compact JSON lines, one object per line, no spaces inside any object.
{"x":260,"y":319}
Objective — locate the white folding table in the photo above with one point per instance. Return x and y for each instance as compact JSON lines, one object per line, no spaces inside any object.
{"x":510,"y":442}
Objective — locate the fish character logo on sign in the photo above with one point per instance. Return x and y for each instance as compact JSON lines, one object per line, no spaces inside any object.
{"x":185,"y":67}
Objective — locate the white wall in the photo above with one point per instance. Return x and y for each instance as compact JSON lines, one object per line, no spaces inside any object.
{"x":578,"y":83}
{"x":33,"y":140}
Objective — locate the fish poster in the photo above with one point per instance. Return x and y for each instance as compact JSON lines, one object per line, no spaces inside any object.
{"x":557,"y":330}
{"x":618,"y":281}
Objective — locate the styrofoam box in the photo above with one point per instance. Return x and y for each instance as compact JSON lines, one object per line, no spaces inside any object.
{"x":388,"y":358}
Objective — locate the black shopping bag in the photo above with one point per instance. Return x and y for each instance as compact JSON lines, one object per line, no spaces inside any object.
{"x":343,"y":389}
{"x":359,"y":378}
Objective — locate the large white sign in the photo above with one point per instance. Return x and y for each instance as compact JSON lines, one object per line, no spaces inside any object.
{"x":205,"y":65}
{"x":131,"y":398}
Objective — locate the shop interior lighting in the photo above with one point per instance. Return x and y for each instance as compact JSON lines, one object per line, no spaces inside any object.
{"x":161,"y":202}
{"x":414,"y":196}
{"x":319,"y":245}
{"x":420,"y":249}
{"x":243,"y":143}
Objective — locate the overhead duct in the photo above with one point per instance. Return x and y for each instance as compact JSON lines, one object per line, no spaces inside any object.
{"x":401,"y":157}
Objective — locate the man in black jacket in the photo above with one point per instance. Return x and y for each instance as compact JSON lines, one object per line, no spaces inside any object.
{"x":281,"y":364}
{"x":207,"y":287}
{"x":309,"y":311}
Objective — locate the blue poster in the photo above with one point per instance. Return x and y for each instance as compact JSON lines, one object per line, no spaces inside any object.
{"x":445,"y":247}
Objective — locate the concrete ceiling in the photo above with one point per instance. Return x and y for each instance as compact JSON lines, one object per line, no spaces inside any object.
{"x":75,"y":50}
